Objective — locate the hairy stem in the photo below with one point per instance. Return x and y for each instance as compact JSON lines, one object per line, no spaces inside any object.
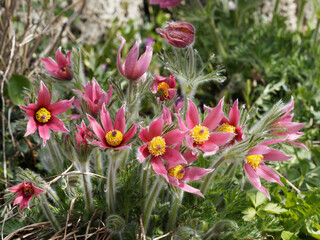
{"x":174,"y":210}
{"x":87,"y":189}
{"x":55,"y":157}
{"x":48,"y":213}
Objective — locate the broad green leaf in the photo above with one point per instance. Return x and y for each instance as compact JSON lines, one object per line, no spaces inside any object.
{"x":273,"y":208}
{"x":249,"y":214}
{"x":257,"y":198}
{"x":16,"y":85}
{"x":286,"y":235}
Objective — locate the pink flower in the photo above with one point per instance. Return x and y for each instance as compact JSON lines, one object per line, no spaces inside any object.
{"x":133,"y":69}
{"x":177,"y":34}
{"x":160,"y":146}
{"x":25,"y":193}
{"x":165,"y":3}
{"x":231,"y":125}
{"x":164,"y":87}
{"x":202,"y":135}
{"x":179,"y":173}
{"x":112,"y":135}
{"x":59,"y":69}
{"x":82,"y":136}
{"x":255,"y":167}
{"x":291,"y":131}
{"x":42,"y":116}
{"x":94,"y":96}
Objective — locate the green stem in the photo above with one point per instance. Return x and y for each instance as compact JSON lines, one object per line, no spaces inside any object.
{"x":153,"y":194}
{"x":98,"y":161}
{"x":48,"y":213}
{"x":275,"y":10}
{"x":174,"y":210}
{"x":315,"y":34}
{"x":87,"y":190}
{"x":56,"y":159}
{"x":111,"y":185}
{"x":144,"y":179}
{"x":300,"y":14}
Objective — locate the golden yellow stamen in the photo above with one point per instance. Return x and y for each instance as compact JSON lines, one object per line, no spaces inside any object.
{"x":27,"y":191}
{"x":200,"y":134}
{"x":43,"y":115}
{"x":177,"y":172}
{"x":163,"y":89}
{"x":157,"y":146}
{"x":114,"y":138}
{"x":254,"y":160}
{"x":227,"y":128}
{"x":63,"y":70}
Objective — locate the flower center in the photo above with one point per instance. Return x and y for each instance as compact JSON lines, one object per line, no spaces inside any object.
{"x":43,"y":115}
{"x":114,"y":138}
{"x":254,"y":160}
{"x":157,"y":146}
{"x":95,"y":102}
{"x":63,"y":69}
{"x":27,"y":191}
{"x":227,"y":128}
{"x":177,"y":172}
{"x":199,"y":134}
{"x":163,"y":89}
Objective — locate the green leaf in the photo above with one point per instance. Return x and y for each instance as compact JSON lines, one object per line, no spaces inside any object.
{"x":273,"y":208}
{"x":249,"y":214}
{"x":286,"y":235}
{"x":16,"y":85}
{"x":257,"y":198}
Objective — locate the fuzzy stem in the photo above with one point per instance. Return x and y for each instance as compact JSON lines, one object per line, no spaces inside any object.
{"x":144,"y":179}
{"x":55,"y":157}
{"x":98,"y":162}
{"x":87,"y":189}
{"x":174,"y":210}
{"x":111,"y":184}
{"x":206,"y":183}
{"x":153,"y":194}
{"x":48,"y":213}
{"x":300,"y":14}
{"x":315,"y":34}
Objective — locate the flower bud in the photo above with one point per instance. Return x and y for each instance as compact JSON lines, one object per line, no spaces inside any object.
{"x":178,"y":34}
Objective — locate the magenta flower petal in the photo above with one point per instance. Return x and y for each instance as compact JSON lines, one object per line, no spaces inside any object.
{"x":120,"y":122}
{"x":144,"y":135}
{"x":18,"y":198}
{"x":182,"y":126}
{"x":31,"y":127}
{"x":122,"y":147}
{"x":60,"y":107}
{"x":143,"y":153}
{"x":25,"y":202}
{"x":214,"y":117}
{"x":144,"y":62}
{"x":195,"y":173}
{"x":30,"y":109}
{"x":159,"y":167}
{"x":291,"y":127}
{"x":155,"y":128}
{"x":44,"y":133}
{"x":173,"y":156}
{"x":173,"y":137}
{"x":192,"y":116}
{"x":219,"y":138}
{"x":15,"y":188}
{"x":166,"y":113}
{"x":44,"y":97}
{"x":100,"y":144}
{"x":131,"y":61}
{"x":172,"y":180}
{"x":190,"y":156}
{"x":234,"y":114}
{"x":259,"y":150}
{"x":128,"y":135}
{"x":189,"y":142}
{"x":299,"y":145}
{"x":50,"y":64}
{"x":188,"y":188}
{"x":97,"y":129}
{"x":252,"y":175}
{"x":60,"y":58}
{"x":208,"y":149}
{"x":57,"y":125}
{"x":275,"y":155}
{"x":106,"y":120}
{"x":119,"y":64}
{"x":268,"y":174}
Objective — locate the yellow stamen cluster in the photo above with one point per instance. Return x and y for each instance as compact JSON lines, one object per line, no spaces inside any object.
{"x":63,"y":70}
{"x":27,"y":191}
{"x":43,"y":115}
{"x":157,"y":146}
{"x":200,"y":134}
{"x":163,"y":89}
{"x":114,"y":138}
{"x":227,"y":128}
{"x":177,"y":172}
{"x":254,"y":160}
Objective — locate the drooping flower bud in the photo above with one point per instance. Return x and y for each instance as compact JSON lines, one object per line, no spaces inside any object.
{"x":178,"y":34}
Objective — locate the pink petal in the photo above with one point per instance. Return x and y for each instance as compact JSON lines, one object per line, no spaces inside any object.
{"x":234,"y":114}
{"x":273,"y":141}
{"x":291,"y":127}
{"x":192,"y":116}
{"x":155,"y":128}
{"x":30,"y":109}
{"x":189,"y":142}
{"x":131,"y":60}
{"x":97,"y":129}
{"x":214,"y":117}
{"x":173,"y":156}
{"x":129,"y":134}
{"x":172,"y":93}
{"x":122,"y":147}
{"x":61,"y":59}
{"x":25,"y":202}
{"x":173,"y":137}
{"x":44,"y":97}
{"x":195,"y":173}
{"x":18,"y":198}
{"x":190,"y":156}
{"x":36,"y":190}
{"x":159,"y":167}
{"x":166,"y":113}
{"x":55,"y":124}
{"x":106,"y":120}
{"x":31,"y":127}
{"x":268,"y":174}
{"x":187,"y":188}
{"x":100,"y":144}
{"x":60,"y":107}
{"x":120,"y":122}
{"x":172,"y":82}
{"x":144,"y":62}
{"x":275,"y":155}
{"x":44,"y":132}
{"x":182,"y":126}
{"x":174,"y":181}
{"x":15,"y":188}
{"x":68,"y":56}
{"x":299,"y":145}
{"x":120,"y":68}
{"x":208,"y":149}
{"x":219,"y":138}
{"x":144,"y":135}
{"x":259,"y":150}
{"x":143,"y":153}
{"x":252,"y":175}
{"x":50,"y":64}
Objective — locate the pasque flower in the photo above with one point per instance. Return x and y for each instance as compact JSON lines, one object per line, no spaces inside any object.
{"x":112,"y":135}
{"x":203,"y":135}
{"x":177,"y":34}
{"x":42,"y":116}
{"x":179,"y":173}
{"x":94,"y":96}
{"x":25,"y":193}
{"x":160,"y":146}
{"x":255,"y":167}
{"x":132,"y":68}
{"x":164,"y":87}
{"x":60,"y":68}
{"x":165,"y":3}
{"x":82,"y":136}
{"x":231,"y":124}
